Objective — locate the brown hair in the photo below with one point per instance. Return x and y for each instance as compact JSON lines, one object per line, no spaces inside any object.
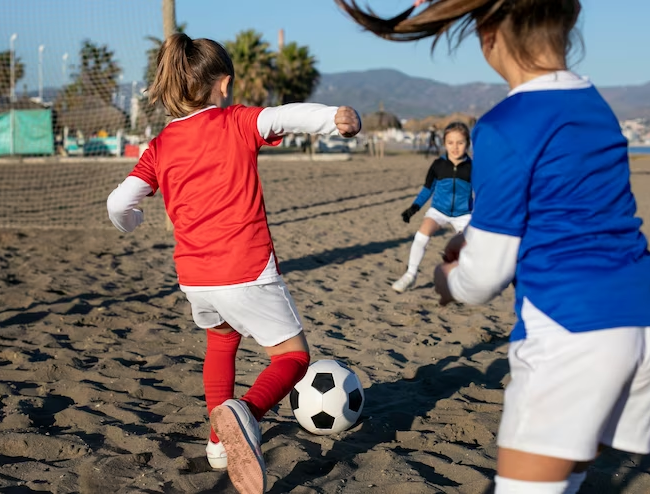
{"x":529,"y":26}
{"x":186,"y":73}
{"x":456,"y":127}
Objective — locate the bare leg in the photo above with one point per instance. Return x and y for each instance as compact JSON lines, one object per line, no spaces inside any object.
{"x":518,"y":465}
{"x":296,"y":344}
{"x":429,"y":227}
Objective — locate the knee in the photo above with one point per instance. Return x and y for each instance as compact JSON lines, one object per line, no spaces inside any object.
{"x":222,"y":329}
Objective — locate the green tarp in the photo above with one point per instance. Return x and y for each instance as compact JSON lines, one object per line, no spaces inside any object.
{"x":26,"y":132}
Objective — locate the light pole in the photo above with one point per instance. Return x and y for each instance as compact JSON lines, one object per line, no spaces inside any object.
{"x":12,"y":68}
{"x":118,"y":94}
{"x":134,"y":106}
{"x":64,"y":67}
{"x":40,"y":73}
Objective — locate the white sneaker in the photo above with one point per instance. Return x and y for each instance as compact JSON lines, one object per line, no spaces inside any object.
{"x":217,"y":456}
{"x":404,"y":283}
{"x":240,"y":435}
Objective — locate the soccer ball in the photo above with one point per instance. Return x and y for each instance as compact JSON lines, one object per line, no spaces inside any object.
{"x":329,"y":399}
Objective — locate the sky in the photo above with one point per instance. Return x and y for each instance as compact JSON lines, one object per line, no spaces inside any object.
{"x":616,"y":36}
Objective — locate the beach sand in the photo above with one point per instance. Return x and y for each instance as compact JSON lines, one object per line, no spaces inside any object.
{"x":100,"y":362}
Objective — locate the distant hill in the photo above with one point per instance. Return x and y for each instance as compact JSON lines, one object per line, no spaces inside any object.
{"x":416,"y":97}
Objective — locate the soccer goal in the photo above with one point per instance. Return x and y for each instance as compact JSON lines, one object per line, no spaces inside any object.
{"x":73,"y":114}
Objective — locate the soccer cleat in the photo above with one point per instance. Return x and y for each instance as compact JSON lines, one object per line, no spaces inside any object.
{"x":217,"y":456}
{"x":240,"y":435}
{"x":404,"y":283}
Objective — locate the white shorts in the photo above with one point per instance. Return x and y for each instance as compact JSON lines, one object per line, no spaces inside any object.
{"x":458,"y":223}
{"x":570,"y":392}
{"x":265,"y":312}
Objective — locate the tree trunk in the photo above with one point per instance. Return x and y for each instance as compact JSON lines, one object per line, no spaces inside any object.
{"x":169,"y":17}
{"x":169,"y":28}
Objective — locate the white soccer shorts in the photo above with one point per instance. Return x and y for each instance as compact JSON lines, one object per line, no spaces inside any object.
{"x":266,"y":312}
{"x":458,"y":223}
{"x":570,"y":392}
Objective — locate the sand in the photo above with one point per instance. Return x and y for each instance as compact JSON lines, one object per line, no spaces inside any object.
{"x":100,"y":363}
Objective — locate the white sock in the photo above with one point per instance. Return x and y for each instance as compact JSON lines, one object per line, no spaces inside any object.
{"x":575,"y":481}
{"x":417,"y":252}
{"x":510,"y":486}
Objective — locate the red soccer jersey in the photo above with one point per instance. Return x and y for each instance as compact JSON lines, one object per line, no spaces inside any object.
{"x":206,"y":168}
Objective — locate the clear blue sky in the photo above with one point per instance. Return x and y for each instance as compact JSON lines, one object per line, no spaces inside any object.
{"x":615,"y":33}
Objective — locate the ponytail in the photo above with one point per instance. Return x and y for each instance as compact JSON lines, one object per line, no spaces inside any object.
{"x":186,"y":73}
{"x":530,"y":26}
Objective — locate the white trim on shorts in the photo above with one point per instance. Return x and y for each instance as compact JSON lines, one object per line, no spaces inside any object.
{"x":570,"y":392}
{"x":458,"y":223}
{"x":266,"y":312}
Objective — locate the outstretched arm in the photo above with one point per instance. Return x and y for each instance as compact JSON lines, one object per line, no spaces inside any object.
{"x":122,"y":201}
{"x":308,"y":118}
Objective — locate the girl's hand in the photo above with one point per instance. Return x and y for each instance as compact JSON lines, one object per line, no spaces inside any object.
{"x":441,"y":287}
{"x":347,"y":121}
{"x":408,"y":214}
{"x":453,"y":248}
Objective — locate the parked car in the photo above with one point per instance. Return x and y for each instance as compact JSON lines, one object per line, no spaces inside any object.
{"x":333,"y":144}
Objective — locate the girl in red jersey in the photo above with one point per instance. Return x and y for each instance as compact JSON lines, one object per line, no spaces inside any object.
{"x":205,"y":164}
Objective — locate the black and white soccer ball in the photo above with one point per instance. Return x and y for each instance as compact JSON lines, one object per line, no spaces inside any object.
{"x":329,"y":399}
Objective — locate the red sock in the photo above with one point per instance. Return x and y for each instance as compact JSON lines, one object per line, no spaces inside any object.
{"x":276,"y":381}
{"x":219,"y":370}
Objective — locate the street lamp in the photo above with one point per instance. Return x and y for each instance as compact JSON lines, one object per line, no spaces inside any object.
{"x":118,"y":97}
{"x":64,"y":67}
{"x":12,"y":68}
{"x":40,"y":73}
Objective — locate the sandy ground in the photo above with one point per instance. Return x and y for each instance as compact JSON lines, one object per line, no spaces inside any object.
{"x":100,"y":363}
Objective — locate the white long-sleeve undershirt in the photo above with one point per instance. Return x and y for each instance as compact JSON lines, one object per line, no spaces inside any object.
{"x":485,"y":268}
{"x":297,"y":118}
{"x":122,"y":201}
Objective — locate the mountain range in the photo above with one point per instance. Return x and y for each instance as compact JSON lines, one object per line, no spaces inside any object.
{"x":417,"y":97}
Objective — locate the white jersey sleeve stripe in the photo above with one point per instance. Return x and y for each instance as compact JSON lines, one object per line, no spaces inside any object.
{"x":486,"y":266}
{"x":122,"y":201}
{"x":299,"y":118}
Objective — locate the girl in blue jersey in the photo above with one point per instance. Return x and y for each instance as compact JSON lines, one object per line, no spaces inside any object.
{"x":448,"y":185}
{"x":553,"y":214}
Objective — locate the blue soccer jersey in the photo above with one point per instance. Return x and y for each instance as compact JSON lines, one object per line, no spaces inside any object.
{"x":551,"y":168}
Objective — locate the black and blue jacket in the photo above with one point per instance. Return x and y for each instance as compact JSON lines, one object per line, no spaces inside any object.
{"x":450,"y":185}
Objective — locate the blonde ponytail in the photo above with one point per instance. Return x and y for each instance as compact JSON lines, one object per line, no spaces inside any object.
{"x":187,"y":71}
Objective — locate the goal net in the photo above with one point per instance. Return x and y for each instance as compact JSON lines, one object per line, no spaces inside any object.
{"x":73,"y":116}
{"x":66,"y":194}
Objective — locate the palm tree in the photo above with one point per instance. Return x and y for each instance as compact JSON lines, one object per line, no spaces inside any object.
{"x":296,"y":76}
{"x":5,"y":71}
{"x":97,"y":74}
{"x":96,"y":78}
{"x":253,"y":68}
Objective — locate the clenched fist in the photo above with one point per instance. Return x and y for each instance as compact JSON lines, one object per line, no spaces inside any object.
{"x":347,"y":121}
